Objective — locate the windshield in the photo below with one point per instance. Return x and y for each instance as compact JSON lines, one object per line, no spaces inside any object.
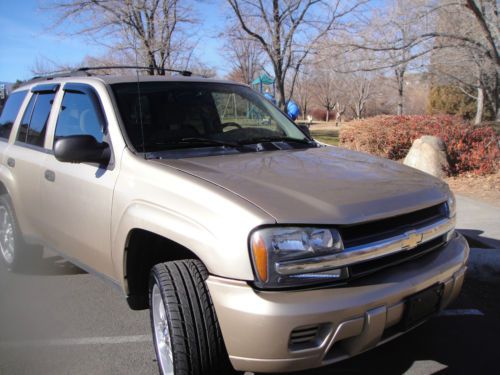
{"x":179,"y":115}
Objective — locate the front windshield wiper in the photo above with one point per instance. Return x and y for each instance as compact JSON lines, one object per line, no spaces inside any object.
{"x":276,"y":139}
{"x":208,"y":141}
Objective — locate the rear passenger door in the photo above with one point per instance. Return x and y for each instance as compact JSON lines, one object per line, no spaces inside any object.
{"x":77,"y":198}
{"x":25,"y":158}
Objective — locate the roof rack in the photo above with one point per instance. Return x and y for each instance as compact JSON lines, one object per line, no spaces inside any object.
{"x":87,"y":69}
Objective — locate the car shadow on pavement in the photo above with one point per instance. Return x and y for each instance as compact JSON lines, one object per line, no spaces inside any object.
{"x":52,"y":265}
{"x":475,"y":239}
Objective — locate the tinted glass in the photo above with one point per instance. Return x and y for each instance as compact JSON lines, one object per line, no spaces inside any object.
{"x":10,"y":111}
{"x":38,"y":124}
{"x":78,"y":116}
{"x":168,"y":115}
{"x":25,"y":122}
{"x":36,"y":115}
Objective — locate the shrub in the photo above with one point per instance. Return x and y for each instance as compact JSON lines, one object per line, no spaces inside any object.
{"x":450,"y":100}
{"x":470,"y":148}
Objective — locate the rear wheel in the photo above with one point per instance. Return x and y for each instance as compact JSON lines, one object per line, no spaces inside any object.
{"x":186,"y":332}
{"x":14,"y":252}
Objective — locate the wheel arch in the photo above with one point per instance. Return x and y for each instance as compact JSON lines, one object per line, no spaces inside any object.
{"x":148,"y":234}
{"x":143,"y":251}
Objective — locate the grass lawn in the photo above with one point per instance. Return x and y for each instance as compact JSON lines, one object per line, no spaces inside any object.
{"x":330,"y":136}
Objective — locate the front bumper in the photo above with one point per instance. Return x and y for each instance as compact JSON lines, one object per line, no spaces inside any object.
{"x":257,"y":326}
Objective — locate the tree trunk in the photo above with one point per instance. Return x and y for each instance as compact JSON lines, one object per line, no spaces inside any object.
{"x":281,"y":94}
{"x":400,"y":97}
{"x":400,"y":78}
{"x":327,"y":115}
{"x":479,"y":106}
{"x":497,"y":112}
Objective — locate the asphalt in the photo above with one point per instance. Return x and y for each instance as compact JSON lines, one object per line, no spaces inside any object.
{"x":57,"y":319}
{"x":479,"y":221}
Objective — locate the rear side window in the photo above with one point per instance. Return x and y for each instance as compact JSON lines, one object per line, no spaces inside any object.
{"x":10,"y":111}
{"x":35,"y":118}
{"x":79,"y":116}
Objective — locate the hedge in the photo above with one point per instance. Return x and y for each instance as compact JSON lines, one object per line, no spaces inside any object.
{"x":470,"y":148}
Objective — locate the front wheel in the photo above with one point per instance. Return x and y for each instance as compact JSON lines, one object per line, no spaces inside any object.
{"x":186,"y":332}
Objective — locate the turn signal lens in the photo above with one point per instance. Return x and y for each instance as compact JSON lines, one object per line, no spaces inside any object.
{"x":259,"y":253}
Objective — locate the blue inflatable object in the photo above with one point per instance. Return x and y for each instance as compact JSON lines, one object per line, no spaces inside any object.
{"x":293,"y":110}
{"x":269,"y":97}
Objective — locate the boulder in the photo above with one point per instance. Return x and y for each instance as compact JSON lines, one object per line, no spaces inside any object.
{"x":428,"y":154}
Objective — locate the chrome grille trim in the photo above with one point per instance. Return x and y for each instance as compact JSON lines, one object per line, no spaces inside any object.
{"x":402,"y":242}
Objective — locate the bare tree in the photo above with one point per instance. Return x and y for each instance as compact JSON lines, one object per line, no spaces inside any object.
{"x":151,"y":29}
{"x":392,"y":34}
{"x":325,"y":92}
{"x":288,"y":30}
{"x":304,"y":89}
{"x":468,"y":37}
{"x":329,"y":89}
{"x":475,"y":31}
{"x":360,"y":91}
{"x":245,"y":55}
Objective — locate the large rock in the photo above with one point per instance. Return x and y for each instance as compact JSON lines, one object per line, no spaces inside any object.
{"x":428,"y":154}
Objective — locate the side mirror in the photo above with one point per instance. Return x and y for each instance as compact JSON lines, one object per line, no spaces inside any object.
{"x":82,"y":149}
{"x":305,"y":130}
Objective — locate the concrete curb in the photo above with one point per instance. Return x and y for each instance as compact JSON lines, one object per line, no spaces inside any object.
{"x":484,"y":264}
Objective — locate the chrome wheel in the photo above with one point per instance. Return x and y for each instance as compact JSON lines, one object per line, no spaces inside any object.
{"x":161,"y":332}
{"x":7,"y":239}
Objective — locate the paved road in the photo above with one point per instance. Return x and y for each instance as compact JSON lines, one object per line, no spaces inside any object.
{"x":60,"y":320}
{"x":479,"y":220}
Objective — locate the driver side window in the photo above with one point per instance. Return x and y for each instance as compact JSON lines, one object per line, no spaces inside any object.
{"x":78,"y":116}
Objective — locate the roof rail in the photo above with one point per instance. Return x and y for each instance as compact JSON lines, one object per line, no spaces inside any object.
{"x":87,"y":69}
{"x":185,"y":73}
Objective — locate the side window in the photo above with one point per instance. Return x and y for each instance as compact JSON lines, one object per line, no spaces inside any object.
{"x":34,"y":122}
{"x":78,"y":116}
{"x":10,"y":111}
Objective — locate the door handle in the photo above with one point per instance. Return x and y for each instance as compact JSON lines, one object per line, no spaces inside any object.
{"x":50,"y":176}
{"x":11,"y":162}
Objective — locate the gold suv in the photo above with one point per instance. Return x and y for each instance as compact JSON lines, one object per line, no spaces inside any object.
{"x":254,"y":247}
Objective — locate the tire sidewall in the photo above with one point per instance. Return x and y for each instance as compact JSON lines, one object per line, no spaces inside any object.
{"x":153,"y":280}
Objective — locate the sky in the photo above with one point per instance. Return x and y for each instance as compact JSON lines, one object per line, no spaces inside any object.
{"x":27,"y":35}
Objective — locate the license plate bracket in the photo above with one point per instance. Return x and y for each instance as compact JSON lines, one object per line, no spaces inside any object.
{"x":422,"y":305}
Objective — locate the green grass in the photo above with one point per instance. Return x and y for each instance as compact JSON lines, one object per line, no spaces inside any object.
{"x":328,"y":136}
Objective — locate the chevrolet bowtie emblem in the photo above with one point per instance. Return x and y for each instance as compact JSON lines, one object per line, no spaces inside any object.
{"x":413,"y":239}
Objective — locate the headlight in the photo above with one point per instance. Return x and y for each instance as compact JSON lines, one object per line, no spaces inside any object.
{"x":451,"y":211}
{"x":277,"y":254}
{"x":451,"y":205}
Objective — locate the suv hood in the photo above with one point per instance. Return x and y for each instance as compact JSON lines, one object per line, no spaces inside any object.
{"x":327,"y":185}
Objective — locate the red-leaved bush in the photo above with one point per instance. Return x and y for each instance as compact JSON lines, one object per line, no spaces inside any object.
{"x":470,"y":148}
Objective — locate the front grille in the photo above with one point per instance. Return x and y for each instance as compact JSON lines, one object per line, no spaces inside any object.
{"x":366,"y":233}
{"x":368,"y":267}
{"x":360,"y":234}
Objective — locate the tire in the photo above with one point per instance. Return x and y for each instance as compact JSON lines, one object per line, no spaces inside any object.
{"x":15,"y":254}
{"x":186,"y":332}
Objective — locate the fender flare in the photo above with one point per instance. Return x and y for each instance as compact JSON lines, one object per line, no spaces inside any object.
{"x":166,"y":223}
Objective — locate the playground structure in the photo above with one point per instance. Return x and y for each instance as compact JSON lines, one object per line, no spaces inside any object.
{"x":263,"y":80}
{"x":260,"y":83}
